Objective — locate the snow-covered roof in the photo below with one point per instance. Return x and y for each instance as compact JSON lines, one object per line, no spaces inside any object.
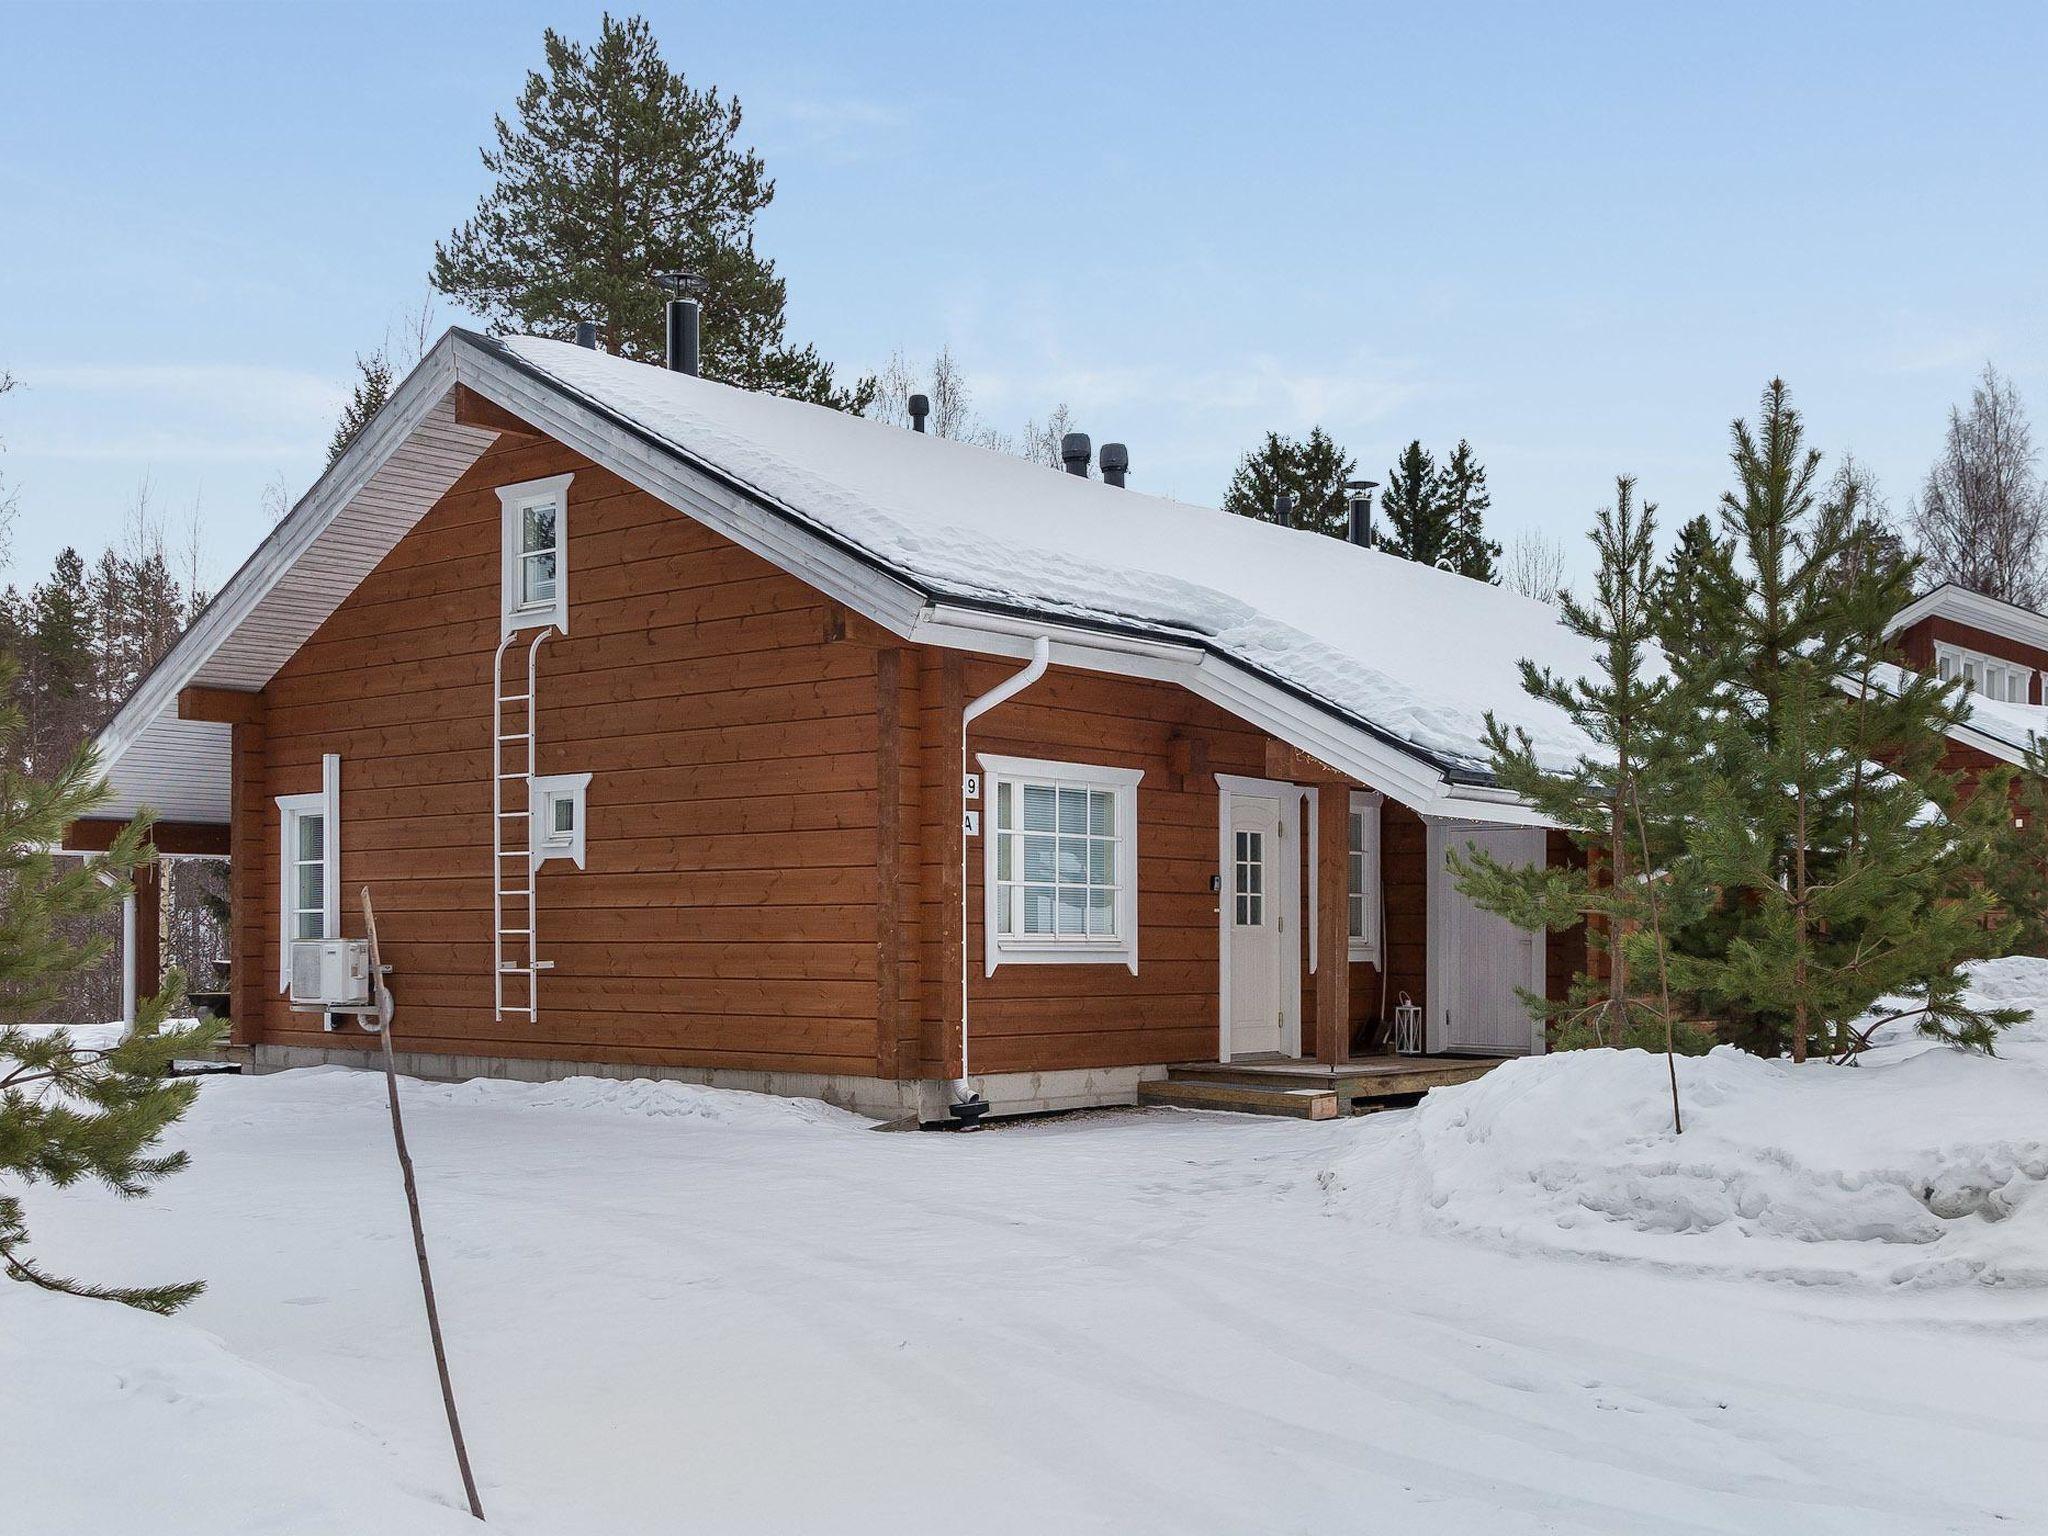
{"x":1417,"y":653}
{"x":1381,"y":667}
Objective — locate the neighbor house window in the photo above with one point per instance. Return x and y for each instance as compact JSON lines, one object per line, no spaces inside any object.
{"x":1060,"y":865}
{"x":1362,"y":866}
{"x":535,"y":534}
{"x":1989,"y":677}
{"x":309,"y":842}
{"x":558,"y":816}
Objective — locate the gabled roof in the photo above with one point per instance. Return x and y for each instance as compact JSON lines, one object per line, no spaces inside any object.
{"x":1378,"y":666}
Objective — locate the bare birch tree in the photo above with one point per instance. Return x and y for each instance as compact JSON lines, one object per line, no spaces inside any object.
{"x":1982,"y":517}
{"x":1535,"y":566}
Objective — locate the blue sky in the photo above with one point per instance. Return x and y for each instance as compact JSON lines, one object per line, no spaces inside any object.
{"x":1581,"y":236}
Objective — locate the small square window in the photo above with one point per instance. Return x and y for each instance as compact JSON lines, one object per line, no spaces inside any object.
{"x":558,"y":817}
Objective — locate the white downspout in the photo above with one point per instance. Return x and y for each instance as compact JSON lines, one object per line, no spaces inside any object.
{"x":1007,"y":689}
{"x":128,"y":998}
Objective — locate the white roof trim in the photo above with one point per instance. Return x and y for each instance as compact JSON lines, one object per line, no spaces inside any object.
{"x":2009,"y":621}
{"x":778,"y":533}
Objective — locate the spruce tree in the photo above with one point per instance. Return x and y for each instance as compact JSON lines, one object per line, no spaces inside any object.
{"x":1842,"y":882}
{"x":68,"y":1112}
{"x":1312,"y":471}
{"x":1418,"y":521}
{"x":1612,"y":802}
{"x":1465,"y":501}
{"x":2017,"y":873}
{"x":618,"y":171}
{"x":372,"y":388}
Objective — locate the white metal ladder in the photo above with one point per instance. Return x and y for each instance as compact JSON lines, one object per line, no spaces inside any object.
{"x":515,"y":948}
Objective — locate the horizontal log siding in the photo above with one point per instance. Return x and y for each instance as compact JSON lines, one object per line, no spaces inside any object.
{"x":1916,"y":645}
{"x":727,"y":913}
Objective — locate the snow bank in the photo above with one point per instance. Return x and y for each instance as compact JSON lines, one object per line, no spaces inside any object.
{"x":163,"y":1430}
{"x":1923,"y":1166}
{"x":646,"y":1097}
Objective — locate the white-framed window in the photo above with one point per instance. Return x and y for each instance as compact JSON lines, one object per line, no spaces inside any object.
{"x":534,"y":531}
{"x":558,"y":816}
{"x":1362,"y":884}
{"x":309,"y":866}
{"x":1060,"y":863}
{"x":1992,"y":677}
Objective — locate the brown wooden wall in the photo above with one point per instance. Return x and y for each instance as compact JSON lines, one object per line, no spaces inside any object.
{"x":727,"y":915}
{"x":1916,"y":644}
{"x":773,"y":875}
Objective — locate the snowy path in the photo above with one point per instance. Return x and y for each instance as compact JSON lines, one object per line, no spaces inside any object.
{"x":773,"y":1320}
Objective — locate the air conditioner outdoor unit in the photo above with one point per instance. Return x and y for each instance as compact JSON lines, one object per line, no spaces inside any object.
{"x":330,"y":973}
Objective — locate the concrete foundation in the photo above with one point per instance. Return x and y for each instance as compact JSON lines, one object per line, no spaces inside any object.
{"x":1008,"y":1093}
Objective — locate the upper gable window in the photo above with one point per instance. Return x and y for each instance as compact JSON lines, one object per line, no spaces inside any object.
{"x":1988,"y":676}
{"x":534,"y":530}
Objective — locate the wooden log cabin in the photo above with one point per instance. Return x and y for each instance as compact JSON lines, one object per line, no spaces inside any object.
{"x":683,"y":731}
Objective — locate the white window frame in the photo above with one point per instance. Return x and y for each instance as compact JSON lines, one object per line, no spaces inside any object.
{"x":514,"y":503}
{"x":550,"y":790}
{"x":1363,"y":946}
{"x":1018,"y":949}
{"x":326,"y":804}
{"x":1977,"y":669}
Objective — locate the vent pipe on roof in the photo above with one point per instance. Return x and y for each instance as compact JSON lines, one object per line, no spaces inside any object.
{"x":1116,"y":463}
{"x":1358,"y":497}
{"x":586,"y":334}
{"x":1283,"y":509}
{"x":680,"y":352}
{"x":920,"y":407}
{"x":1074,"y":453}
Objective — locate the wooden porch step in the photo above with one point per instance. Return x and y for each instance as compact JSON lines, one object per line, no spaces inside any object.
{"x":1267,"y":1098}
{"x":1374,"y":1080}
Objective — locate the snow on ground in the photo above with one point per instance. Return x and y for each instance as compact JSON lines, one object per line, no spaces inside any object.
{"x":1922,"y":1166}
{"x":675,"y":1309}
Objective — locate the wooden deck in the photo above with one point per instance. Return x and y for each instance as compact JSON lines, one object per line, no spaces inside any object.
{"x":1308,"y":1090}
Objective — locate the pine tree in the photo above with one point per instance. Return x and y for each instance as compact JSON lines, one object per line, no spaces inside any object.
{"x":67,"y":1112}
{"x":1611,"y":803}
{"x":372,"y":388}
{"x":1465,"y":503}
{"x":1418,"y":522}
{"x":2017,"y":872}
{"x":55,"y":681}
{"x":1312,"y":471}
{"x":1842,"y":883}
{"x":619,"y":171}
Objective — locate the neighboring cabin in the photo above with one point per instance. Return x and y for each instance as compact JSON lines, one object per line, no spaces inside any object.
{"x":862,"y":764}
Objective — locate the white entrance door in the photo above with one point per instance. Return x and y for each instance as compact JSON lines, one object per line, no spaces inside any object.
{"x":1479,"y":959}
{"x":1255,"y":919}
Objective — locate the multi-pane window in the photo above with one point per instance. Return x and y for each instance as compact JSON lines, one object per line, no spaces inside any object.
{"x":534,"y":531}
{"x":1362,"y":887}
{"x":1061,"y":861}
{"x":1988,"y":677}
{"x":307,"y":881}
{"x":309,"y":860}
{"x":538,"y":522}
{"x":1250,"y":879}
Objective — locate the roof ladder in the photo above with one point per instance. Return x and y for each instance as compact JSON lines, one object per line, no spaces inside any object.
{"x":515,"y":954}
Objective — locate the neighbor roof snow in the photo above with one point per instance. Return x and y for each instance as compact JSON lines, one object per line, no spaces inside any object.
{"x":1417,"y":653}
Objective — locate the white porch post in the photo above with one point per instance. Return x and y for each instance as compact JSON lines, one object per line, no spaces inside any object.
{"x":128,"y":958}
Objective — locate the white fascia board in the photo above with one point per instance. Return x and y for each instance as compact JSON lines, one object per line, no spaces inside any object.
{"x":422,"y":390}
{"x":792,"y":543}
{"x":667,"y":474}
{"x":2023,"y":626}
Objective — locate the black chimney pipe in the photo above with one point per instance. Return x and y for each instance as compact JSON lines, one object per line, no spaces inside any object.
{"x":586,"y":334}
{"x":1283,"y":508}
{"x":1359,"y":496}
{"x":920,"y":408}
{"x":1116,"y":463}
{"x":682,"y":336}
{"x":1074,"y":453}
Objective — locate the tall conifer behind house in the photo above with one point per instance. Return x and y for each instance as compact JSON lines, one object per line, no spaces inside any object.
{"x":1312,"y":470}
{"x":618,"y":171}
{"x":1418,"y":521}
{"x":1465,"y":500}
{"x":1614,"y":803}
{"x":1845,"y":857}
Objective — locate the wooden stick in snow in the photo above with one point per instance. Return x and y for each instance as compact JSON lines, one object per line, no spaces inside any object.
{"x":385,"y":1009}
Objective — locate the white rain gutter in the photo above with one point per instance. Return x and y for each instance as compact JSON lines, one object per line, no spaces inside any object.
{"x":1003,"y":692}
